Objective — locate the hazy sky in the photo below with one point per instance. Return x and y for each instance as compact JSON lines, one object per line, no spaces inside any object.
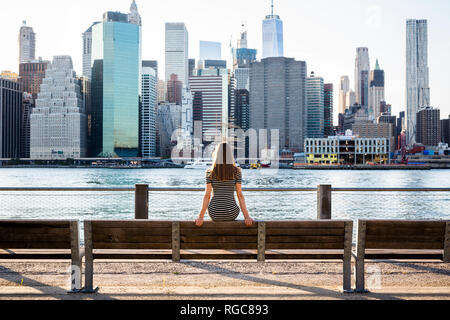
{"x":324,"y":33}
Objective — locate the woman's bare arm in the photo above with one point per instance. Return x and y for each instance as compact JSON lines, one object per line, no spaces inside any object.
{"x":243,"y":205}
{"x":206,"y":200}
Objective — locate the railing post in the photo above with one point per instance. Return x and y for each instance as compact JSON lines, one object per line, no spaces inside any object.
{"x":141,"y":202}
{"x":324,"y":202}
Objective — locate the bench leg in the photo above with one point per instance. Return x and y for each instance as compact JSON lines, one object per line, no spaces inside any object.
{"x":359,"y":276}
{"x":89,"y":277}
{"x":348,"y":276}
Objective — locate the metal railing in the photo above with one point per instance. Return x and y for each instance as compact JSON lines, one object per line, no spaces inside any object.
{"x":323,"y":202}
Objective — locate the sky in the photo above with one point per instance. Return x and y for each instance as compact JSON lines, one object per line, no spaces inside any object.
{"x":324,"y":33}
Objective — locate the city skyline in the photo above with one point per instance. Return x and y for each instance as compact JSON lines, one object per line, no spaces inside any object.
{"x":374,"y":19}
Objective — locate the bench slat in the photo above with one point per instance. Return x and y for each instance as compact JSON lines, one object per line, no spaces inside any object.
{"x":305,"y":239}
{"x":34,"y":237}
{"x":235,"y":225}
{"x":131,"y":224}
{"x":137,"y":246}
{"x":35,"y":245}
{"x":218,"y":239}
{"x":123,"y":238}
{"x":226,"y":246}
{"x":306,"y":232}
{"x":310,"y":246}
{"x":403,"y":245}
{"x":324,"y":224}
{"x":397,"y":230}
{"x":132,"y":231}
{"x":217,"y":232}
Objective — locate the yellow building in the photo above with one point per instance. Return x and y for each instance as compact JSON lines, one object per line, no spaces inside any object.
{"x":322,"y":159}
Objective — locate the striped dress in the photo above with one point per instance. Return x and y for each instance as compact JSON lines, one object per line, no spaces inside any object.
{"x":223,"y":206}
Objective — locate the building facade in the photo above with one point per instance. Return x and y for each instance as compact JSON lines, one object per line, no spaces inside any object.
{"x":10,"y":118}
{"x":58,"y":122}
{"x":87,"y":52}
{"x":376,"y":92}
{"x":362,"y":68}
{"x":147,"y":114}
{"x":315,"y":106}
{"x":344,"y":89}
{"x":347,"y":150}
{"x":417,"y":74}
{"x":445,"y":130}
{"x":174,"y":90}
{"x":278,"y":100}
{"x":429,"y":126}
{"x":273,"y":42}
{"x":328,"y":111}
{"x":210,"y":105}
{"x":116,"y":82}
{"x":27,"y":44}
{"x":177,"y":51}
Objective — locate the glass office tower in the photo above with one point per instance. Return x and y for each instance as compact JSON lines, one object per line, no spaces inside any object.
{"x":116,"y":62}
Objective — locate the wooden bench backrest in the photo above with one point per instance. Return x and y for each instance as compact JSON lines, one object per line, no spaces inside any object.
{"x":134,"y":234}
{"x":140,"y":234}
{"x":394,"y":234}
{"x":42,"y":234}
{"x":323,"y":234}
{"x":222,"y":235}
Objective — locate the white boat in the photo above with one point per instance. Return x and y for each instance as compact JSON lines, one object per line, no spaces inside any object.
{"x":199,"y":164}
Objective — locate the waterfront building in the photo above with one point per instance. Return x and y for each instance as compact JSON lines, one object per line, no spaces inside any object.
{"x":278,"y":100}
{"x":344,"y":89}
{"x":362,"y":68}
{"x":347,"y":150}
{"x":174,"y":88}
{"x":445,"y":130}
{"x":210,"y":50}
{"x":10,"y":118}
{"x":417,"y":74}
{"x":58,"y":122}
{"x":27,"y":44}
{"x":376,"y":130}
{"x":376,"y":92}
{"x":147,"y":114}
{"x":429,"y":126}
{"x":328,"y":110}
{"x":31,"y":76}
{"x":242,"y":105}
{"x":385,"y":108}
{"x":273,"y":42}
{"x":116,"y":82}
{"x":177,"y":52}
{"x":315,"y":106}
{"x":210,"y":104}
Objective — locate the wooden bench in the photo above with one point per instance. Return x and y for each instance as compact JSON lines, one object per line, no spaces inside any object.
{"x":161,"y":240}
{"x":400,"y":240}
{"x":42,"y":240}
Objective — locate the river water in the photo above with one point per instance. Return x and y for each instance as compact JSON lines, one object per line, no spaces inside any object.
{"x":186,"y":206}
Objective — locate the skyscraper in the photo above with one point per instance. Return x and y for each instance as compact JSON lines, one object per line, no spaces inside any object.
{"x":278,"y":100}
{"x":315,"y":106}
{"x":27,"y":44}
{"x":174,"y":88}
{"x":58,"y":122}
{"x":429,"y":126}
{"x":328,"y":111}
{"x":210,"y":104}
{"x":87,"y":52}
{"x":362,"y":68}
{"x":242,"y":58}
{"x":417,"y":74}
{"x":148,"y":112}
{"x":177,"y":52}
{"x":344,"y":89}
{"x":376,"y":91}
{"x":273,"y":43}
{"x":116,"y":82}
{"x":10,"y":118}
{"x":31,"y":76}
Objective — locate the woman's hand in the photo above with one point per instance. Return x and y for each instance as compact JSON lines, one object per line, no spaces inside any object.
{"x":249,"y":222}
{"x":199,"y":222}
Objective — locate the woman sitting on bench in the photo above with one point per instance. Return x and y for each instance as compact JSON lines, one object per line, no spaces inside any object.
{"x":222,"y":180}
